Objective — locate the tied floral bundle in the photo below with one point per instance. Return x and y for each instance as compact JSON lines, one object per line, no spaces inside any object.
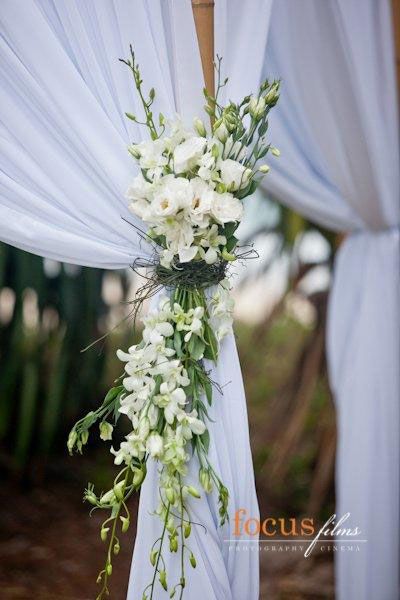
{"x":189,"y":193}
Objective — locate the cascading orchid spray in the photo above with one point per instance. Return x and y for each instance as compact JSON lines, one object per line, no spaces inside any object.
{"x":189,"y":194}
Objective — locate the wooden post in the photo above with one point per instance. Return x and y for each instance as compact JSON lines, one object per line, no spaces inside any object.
{"x":396,"y":31}
{"x":203,"y":13}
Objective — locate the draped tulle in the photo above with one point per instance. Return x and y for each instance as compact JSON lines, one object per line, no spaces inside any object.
{"x":64,"y":171}
{"x":336,"y":125}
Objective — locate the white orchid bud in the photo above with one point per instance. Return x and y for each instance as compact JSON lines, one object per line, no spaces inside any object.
{"x":205,"y":480}
{"x":221,"y":133}
{"x":134,"y":150}
{"x":170,"y":495}
{"x":138,"y":475}
{"x":193,"y":492}
{"x":263,"y":169}
{"x":108,"y":498}
{"x":275,"y":151}
{"x":125,"y":524}
{"x":72,"y":438}
{"x":144,"y":428}
{"x":170,"y":526}
{"x":153,"y":557}
{"x":163,"y":579}
{"x":199,"y":127}
{"x":256,"y":107}
{"x":173,"y":544}
{"x":119,"y":490}
{"x":273,"y":95}
{"x":228,"y":257}
{"x":106,"y":430}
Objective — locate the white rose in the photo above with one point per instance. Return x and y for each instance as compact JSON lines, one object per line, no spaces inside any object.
{"x":202,"y":196}
{"x":141,"y":208}
{"x":151,"y":154}
{"x":172,"y":194}
{"x":178,"y":233}
{"x":139,"y":192}
{"x":139,"y":189}
{"x":226,"y":208}
{"x":188,"y":153}
{"x":233,"y":174}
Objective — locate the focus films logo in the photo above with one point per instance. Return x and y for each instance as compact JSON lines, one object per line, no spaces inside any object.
{"x":284,"y":534}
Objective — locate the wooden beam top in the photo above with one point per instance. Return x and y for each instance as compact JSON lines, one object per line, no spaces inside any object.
{"x":203,"y":13}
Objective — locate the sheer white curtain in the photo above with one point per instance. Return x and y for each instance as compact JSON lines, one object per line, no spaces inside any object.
{"x":63,"y":131}
{"x":64,"y":169}
{"x":337,"y":128}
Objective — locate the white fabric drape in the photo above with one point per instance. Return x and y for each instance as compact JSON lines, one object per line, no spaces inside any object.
{"x":64,"y":134}
{"x":337,"y":128}
{"x":64,"y":170}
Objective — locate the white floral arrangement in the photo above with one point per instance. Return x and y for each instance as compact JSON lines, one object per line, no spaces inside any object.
{"x":189,"y":194}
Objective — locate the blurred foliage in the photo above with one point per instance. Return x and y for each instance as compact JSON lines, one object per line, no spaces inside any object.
{"x":48,"y":315}
{"x":45,"y":380}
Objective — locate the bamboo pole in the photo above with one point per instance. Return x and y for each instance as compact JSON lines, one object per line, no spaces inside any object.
{"x":396,"y":31}
{"x":203,"y":13}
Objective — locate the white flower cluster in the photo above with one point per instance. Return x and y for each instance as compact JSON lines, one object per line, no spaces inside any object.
{"x":186,"y":192}
{"x":157,"y":383}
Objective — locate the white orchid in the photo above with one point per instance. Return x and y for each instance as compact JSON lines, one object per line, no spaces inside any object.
{"x":175,"y":450}
{"x":173,"y":373}
{"x":170,"y":401}
{"x":155,"y":445}
{"x":194,"y":323}
{"x":210,"y":244}
{"x":154,"y":333}
{"x":190,"y":424}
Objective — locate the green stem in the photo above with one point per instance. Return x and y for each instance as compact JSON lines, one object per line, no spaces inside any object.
{"x":159,"y":552}
{"x":104,"y":589}
{"x":182,"y":582}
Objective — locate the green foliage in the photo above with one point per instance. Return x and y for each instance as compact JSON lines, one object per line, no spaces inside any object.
{"x":45,"y":380}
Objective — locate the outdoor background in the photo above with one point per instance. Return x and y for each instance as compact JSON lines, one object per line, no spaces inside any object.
{"x":49,"y":547}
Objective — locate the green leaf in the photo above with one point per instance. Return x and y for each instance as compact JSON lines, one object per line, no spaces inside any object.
{"x":178,"y":343}
{"x":205,"y":438}
{"x":262,"y":130}
{"x":196,"y":347}
{"x":211,"y":350}
{"x":231,"y":243}
{"x":229,"y":229}
{"x":113,"y":393}
{"x":208,"y":390}
{"x":262,"y":152}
